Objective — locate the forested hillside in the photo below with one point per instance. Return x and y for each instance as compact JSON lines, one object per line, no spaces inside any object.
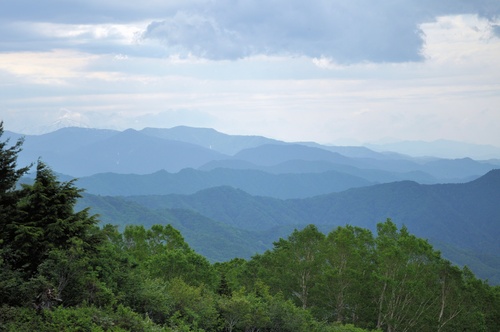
{"x":60,"y":271}
{"x":459,"y":219}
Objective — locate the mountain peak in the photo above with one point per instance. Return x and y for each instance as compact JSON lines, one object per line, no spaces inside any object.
{"x":490,"y":178}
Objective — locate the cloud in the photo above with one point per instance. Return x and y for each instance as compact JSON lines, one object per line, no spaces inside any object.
{"x":344,"y":31}
{"x":44,"y":67}
{"x":193,"y":34}
{"x":317,"y":70}
{"x":348,"y":32}
{"x":496,"y":29}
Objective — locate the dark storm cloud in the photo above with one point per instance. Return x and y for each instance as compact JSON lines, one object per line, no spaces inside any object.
{"x":346,"y":31}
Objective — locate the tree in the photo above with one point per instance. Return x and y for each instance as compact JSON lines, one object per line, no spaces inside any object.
{"x":406,"y":278}
{"x":194,"y":306}
{"x":294,"y":264}
{"x":9,"y":177}
{"x":163,"y":253}
{"x":9,"y":174}
{"x":48,"y":221}
{"x":343,"y":285}
{"x":451,"y":296}
{"x":235,"y":311}
{"x":41,"y":226}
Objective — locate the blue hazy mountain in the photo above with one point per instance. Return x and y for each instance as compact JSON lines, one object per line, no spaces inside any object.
{"x":210,"y":138}
{"x":188,"y":180}
{"x":230,"y":190}
{"x":462,"y":220}
{"x":84,"y":152}
{"x":441,"y":148}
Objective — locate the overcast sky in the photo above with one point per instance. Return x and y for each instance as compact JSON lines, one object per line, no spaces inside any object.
{"x":332,"y":71}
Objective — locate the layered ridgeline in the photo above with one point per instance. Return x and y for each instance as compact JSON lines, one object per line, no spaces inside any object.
{"x":83,"y":152}
{"x":211,"y":168}
{"x":462,"y":220}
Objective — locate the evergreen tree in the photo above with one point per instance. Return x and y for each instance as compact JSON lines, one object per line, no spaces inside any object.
{"x":9,"y":176}
{"x":40,"y":234}
{"x":48,"y":221}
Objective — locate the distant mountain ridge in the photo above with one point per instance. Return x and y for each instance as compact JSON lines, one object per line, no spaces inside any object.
{"x":240,"y":192}
{"x":210,"y":138}
{"x":188,"y":181}
{"x":83,"y":152}
{"x":442,"y":148}
{"x":462,"y":220}
{"x":407,"y":202}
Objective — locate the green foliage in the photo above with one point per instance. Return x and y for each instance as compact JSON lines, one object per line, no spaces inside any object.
{"x":163,"y":253}
{"x":342,"y":288}
{"x":452,"y":216}
{"x":192,"y":306}
{"x":44,"y":220}
{"x":83,"y":318}
{"x":394,"y":281}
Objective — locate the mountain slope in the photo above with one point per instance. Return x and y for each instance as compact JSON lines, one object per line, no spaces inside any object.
{"x":210,"y":138}
{"x":189,"y":181}
{"x":321,"y":166}
{"x":233,"y":207}
{"x":468,"y":213}
{"x":84,"y":152}
{"x":442,"y":148}
{"x":273,"y":154}
{"x":461,"y":216}
{"x":214,"y":240}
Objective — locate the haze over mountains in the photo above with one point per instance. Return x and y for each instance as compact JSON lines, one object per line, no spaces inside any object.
{"x":462,"y":220}
{"x":234,"y":195}
{"x":84,"y":152}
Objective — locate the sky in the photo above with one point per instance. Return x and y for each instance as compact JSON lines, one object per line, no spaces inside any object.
{"x":330,"y":71}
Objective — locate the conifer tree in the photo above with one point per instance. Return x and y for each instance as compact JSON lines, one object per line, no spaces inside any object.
{"x":38,"y":223}
{"x":9,"y":176}
{"x":49,"y":221}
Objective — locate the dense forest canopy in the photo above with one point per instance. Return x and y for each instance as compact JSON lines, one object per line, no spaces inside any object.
{"x":60,"y":271}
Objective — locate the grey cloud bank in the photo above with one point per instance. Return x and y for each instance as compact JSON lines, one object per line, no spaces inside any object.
{"x":347,"y":31}
{"x":293,"y":70}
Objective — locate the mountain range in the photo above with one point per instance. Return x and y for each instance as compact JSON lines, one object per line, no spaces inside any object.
{"x":83,"y":152}
{"x":462,"y":220}
{"x":232,"y":195}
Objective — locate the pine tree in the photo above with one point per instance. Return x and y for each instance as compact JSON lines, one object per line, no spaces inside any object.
{"x":9,"y":176}
{"x":48,"y":220}
{"x":39,"y":227}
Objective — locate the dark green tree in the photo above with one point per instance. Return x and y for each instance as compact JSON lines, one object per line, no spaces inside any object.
{"x":9,"y":177}
{"x":43,"y":232}
{"x":9,"y":173}
{"x":48,"y":221}
{"x":9,"y":196}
